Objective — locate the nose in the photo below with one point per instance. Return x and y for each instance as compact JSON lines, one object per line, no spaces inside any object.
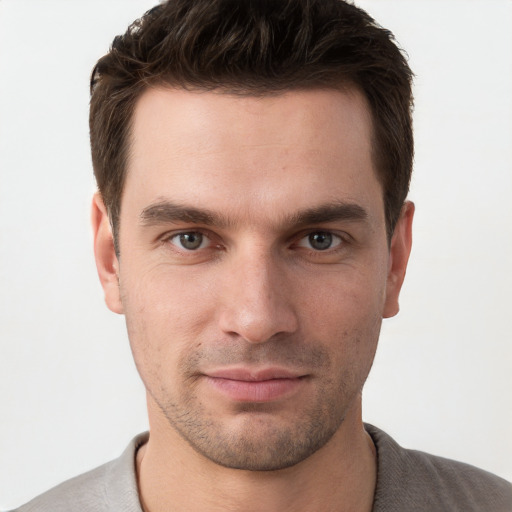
{"x":257,"y":299}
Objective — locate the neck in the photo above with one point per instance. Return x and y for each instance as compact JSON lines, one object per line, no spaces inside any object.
{"x":340,"y":476}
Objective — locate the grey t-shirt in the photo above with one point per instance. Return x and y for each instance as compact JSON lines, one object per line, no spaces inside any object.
{"x":407,"y":481}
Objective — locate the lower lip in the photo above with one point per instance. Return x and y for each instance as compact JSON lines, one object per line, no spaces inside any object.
{"x":255,"y":391}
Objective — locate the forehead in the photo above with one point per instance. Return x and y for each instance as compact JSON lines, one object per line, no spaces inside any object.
{"x":252,"y":153}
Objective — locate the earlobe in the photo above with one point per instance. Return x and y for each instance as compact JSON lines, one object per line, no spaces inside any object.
{"x":107,"y":263}
{"x":400,"y":250}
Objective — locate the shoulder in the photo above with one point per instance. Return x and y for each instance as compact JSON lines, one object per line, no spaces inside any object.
{"x":84,"y":492}
{"x":112,"y":486}
{"x":414,"y":480}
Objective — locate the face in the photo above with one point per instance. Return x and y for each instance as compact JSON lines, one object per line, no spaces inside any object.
{"x":254,"y":268}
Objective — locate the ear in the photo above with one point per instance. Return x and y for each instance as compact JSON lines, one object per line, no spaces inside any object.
{"x":105,"y":254}
{"x":399,"y":252}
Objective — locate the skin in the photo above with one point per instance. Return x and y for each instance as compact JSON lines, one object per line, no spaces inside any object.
{"x":254,"y":321}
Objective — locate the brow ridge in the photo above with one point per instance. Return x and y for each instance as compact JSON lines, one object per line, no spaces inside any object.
{"x":169,"y":212}
{"x":164,"y":212}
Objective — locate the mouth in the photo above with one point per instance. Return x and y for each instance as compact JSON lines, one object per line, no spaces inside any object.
{"x":255,"y":385}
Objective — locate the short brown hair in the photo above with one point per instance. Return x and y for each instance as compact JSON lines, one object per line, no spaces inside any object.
{"x":254,"y":47}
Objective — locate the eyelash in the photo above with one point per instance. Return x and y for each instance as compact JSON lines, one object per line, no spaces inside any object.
{"x":168,"y":239}
{"x":339,"y":239}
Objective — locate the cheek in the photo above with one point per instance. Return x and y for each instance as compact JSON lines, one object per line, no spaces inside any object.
{"x":344,"y":299}
{"x":166,"y":314}
{"x":167,"y":296}
{"x":345,"y":313}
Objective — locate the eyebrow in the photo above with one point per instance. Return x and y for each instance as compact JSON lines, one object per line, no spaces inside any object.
{"x":330,"y":212}
{"x":167,"y":212}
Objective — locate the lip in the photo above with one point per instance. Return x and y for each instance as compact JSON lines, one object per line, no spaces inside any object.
{"x":253,"y":374}
{"x":255,"y":385}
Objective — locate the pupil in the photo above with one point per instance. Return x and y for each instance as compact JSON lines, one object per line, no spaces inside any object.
{"x":191,"y":240}
{"x":320,"y":241}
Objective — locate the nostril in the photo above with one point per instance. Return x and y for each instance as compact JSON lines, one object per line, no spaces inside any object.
{"x":256,"y":323}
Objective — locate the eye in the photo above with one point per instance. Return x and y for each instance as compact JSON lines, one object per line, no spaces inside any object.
{"x":190,"y":241}
{"x":320,"y":241}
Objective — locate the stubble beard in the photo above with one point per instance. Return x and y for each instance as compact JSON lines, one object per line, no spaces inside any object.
{"x":261,"y":441}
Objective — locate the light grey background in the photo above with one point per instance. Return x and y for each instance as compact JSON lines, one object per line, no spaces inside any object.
{"x":70,"y":397}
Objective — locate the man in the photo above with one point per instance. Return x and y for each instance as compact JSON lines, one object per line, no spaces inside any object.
{"x":253,"y":162}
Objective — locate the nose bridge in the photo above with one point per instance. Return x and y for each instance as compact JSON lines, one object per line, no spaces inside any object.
{"x":257,"y":302}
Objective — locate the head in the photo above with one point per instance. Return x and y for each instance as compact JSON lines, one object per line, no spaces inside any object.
{"x":253,"y":159}
{"x":256,"y":49}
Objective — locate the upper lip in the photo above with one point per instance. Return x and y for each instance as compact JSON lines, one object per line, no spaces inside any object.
{"x":254,"y":374}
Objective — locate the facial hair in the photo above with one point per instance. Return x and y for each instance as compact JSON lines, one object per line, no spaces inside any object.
{"x":261,"y":441}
